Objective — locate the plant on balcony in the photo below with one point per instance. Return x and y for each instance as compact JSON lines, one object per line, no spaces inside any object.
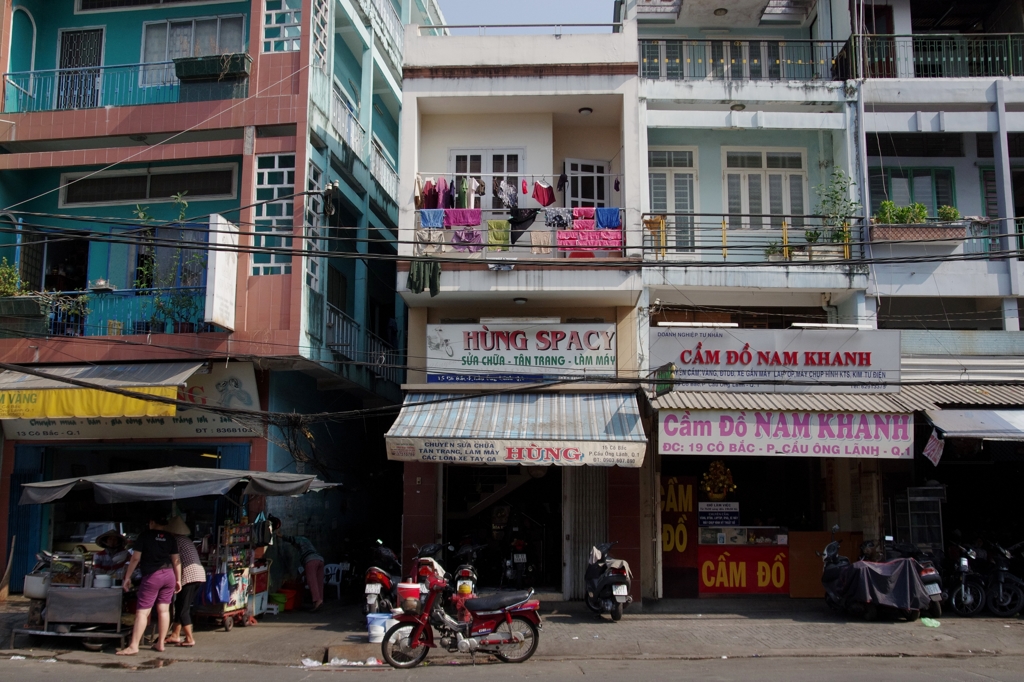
{"x":812,"y":236}
{"x":837,"y":210}
{"x":213,"y":67}
{"x":773,"y":252}
{"x":948,"y":214}
{"x":10,"y":280}
{"x":29,"y":309}
{"x":891,"y":214}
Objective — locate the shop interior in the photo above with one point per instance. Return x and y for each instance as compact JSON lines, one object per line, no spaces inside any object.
{"x":498,"y":506}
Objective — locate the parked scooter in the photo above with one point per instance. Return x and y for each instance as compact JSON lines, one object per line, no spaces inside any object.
{"x":1004,"y":594}
{"x":505,"y":625}
{"x":967,"y":594}
{"x":608,"y":582}
{"x":893,"y":585}
{"x":516,"y":566}
{"x":465,"y":576}
{"x":382,"y":580}
{"x":930,"y":576}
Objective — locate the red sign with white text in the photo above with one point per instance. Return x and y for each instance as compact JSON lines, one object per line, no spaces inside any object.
{"x":743,"y":569}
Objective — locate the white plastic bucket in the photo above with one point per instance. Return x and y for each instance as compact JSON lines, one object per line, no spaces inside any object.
{"x":375,"y":622}
{"x":36,"y":585}
{"x":376,"y":634}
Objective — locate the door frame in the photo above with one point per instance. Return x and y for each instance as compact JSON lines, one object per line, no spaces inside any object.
{"x":103,"y":56}
{"x":595,"y":162}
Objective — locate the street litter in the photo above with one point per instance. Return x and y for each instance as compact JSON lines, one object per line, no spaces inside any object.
{"x":578,"y":637}
{"x":17,"y":658}
{"x":930,"y":622}
{"x":310,"y":663}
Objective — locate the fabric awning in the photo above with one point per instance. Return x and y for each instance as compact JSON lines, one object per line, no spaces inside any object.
{"x":170,"y":483}
{"x":987,"y":424}
{"x":565,"y":429}
{"x":26,"y":396}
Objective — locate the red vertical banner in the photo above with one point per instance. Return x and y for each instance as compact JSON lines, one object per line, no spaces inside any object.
{"x":679,"y":535}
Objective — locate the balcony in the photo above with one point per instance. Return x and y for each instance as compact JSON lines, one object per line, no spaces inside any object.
{"x":941,"y":56}
{"x":346,"y":126}
{"x":382,"y":16}
{"x":384,"y":173}
{"x":736,"y":238}
{"x":744,"y":60}
{"x":109,"y":86}
{"x":346,"y":338}
{"x":660,"y":10}
{"x":173,"y":310}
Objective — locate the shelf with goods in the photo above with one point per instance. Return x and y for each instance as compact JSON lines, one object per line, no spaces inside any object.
{"x":232,"y":557}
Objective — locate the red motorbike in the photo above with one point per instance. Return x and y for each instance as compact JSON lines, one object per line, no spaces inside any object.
{"x":505,"y":625}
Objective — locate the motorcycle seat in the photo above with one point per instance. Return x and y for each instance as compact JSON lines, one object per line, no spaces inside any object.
{"x":494,"y":602}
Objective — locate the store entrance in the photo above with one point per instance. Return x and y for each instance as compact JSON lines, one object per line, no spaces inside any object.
{"x":773,"y":497}
{"x":507,"y":510}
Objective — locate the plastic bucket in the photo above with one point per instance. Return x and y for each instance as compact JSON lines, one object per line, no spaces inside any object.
{"x":376,"y":634}
{"x":291,"y":597}
{"x":377,"y":620}
{"x":279,"y":599}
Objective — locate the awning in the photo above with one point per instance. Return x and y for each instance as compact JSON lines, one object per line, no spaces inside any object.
{"x":25,"y":396}
{"x":565,"y":429}
{"x":170,"y":483}
{"x":987,"y":424}
{"x":814,"y":402}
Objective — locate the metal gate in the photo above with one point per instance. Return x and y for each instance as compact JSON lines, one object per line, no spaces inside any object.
{"x":78,"y":82}
{"x":584,"y":522}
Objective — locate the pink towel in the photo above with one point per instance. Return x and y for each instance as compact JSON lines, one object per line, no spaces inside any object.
{"x":583,"y":225}
{"x":583,"y":212}
{"x":461,"y":217}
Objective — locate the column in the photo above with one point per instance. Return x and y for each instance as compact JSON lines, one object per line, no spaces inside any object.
{"x":1004,"y":188}
{"x":1011,"y":320}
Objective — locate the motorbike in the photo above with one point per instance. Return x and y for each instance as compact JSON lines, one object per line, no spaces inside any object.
{"x":382,"y":580}
{"x":516,"y":567}
{"x":1004,"y":593}
{"x":608,"y":582}
{"x":466,"y":577}
{"x":967,"y":597}
{"x":505,"y":625}
{"x":894,"y":586}
{"x":930,"y":576}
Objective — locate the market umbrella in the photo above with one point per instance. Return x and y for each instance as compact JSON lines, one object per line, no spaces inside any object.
{"x":170,"y":483}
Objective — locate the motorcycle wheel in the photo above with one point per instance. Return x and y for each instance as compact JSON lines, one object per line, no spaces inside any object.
{"x":967,"y":599}
{"x":617,"y":611}
{"x":519,"y":651}
{"x":870,"y":612}
{"x":935,"y":610}
{"x":910,"y":615}
{"x":395,"y":648}
{"x":1007,"y":604}
{"x":372,"y":608}
{"x":594,"y":604}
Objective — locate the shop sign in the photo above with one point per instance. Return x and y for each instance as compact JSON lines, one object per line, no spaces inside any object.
{"x":678,"y":522}
{"x":471,"y":353}
{"x":778,"y":361}
{"x":743,"y":570}
{"x":786,"y":434}
{"x":515,"y":452}
{"x":222,"y":274}
{"x":231,"y":385}
{"x":718,"y":514}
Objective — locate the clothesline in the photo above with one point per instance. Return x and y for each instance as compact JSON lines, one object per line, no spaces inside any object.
{"x":514,"y":174}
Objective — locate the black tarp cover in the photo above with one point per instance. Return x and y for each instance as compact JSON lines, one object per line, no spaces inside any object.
{"x":894,"y":583}
{"x":170,"y":483}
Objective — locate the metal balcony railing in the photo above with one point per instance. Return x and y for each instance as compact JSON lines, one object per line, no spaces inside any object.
{"x":392,"y":22}
{"x":342,"y":333}
{"x":744,"y":60}
{"x":346,"y":125}
{"x":101,"y":86}
{"x":383,"y":359}
{"x":941,"y":56}
{"x":748,"y":238}
{"x":173,"y":310}
{"x":658,"y":7}
{"x":384,"y":172}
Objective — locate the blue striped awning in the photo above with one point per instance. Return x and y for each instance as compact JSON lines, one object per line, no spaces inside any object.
{"x":601,"y":429}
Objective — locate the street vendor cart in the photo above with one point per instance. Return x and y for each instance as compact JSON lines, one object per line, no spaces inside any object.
{"x":75,"y":607}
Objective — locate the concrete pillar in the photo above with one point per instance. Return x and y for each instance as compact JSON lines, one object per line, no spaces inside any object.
{"x":366,"y":99}
{"x":1011,"y":320}
{"x":1004,"y":188}
{"x":406,"y":13}
{"x":416,"y":342}
{"x":858,"y":308}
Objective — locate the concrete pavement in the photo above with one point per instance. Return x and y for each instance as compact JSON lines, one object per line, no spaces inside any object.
{"x":694,"y":630}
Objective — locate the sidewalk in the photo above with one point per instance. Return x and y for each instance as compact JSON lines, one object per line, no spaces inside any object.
{"x":694,"y":629}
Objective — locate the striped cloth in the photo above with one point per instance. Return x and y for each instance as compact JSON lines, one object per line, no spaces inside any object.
{"x":192,"y":570}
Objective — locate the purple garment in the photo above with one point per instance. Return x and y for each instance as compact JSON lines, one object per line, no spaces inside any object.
{"x":461,"y":217}
{"x":468,"y":240}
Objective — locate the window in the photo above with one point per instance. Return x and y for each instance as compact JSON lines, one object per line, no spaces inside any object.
{"x":275,"y":184}
{"x":588,"y":182}
{"x":164,"y":41}
{"x":490,"y":167}
{"x":932,"y":187}
{"x":915,"y":144}
{"x":160,"y":184}
{"x":321,"y":16}
{"x":86,"y":5}
{"x":314,"y":219}
{"x":986,"y":145}
{"x":765,"y":184}
{"x":282,"y":25}
{"x":673,"y":185}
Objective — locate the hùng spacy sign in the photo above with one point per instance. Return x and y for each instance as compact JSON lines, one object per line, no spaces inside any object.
{"x":465,"y":353}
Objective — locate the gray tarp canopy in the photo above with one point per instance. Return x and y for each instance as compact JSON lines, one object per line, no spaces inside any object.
{"x":170,"y":483}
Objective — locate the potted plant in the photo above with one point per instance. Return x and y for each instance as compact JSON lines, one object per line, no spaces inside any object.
{"x":717,"y":481}
{"x":948,"y":214}
{"x":773,"y":252}
{"x":837,"y":211}
{"x":22,"y":313}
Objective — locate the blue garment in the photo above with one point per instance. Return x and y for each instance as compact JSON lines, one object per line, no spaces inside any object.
{"x":607,"y":218}
{"x":432,"y":217}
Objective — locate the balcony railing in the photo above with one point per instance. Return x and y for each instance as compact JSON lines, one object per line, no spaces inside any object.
{"x":384,"y":361}
{"x":658,"y":7}
{"x":392,"y":22}
{"x":102,"y":86}
{"x":384,"y":173}
{"x":131,"y":311}
{"x":942,"y":56}
{"x":346,"y":125}
{"x":342,"y":333}
{"x":744,"y":60}
{"x":736,"y":238}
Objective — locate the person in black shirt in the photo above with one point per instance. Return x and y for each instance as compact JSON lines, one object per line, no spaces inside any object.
{"x":155,"y":553}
